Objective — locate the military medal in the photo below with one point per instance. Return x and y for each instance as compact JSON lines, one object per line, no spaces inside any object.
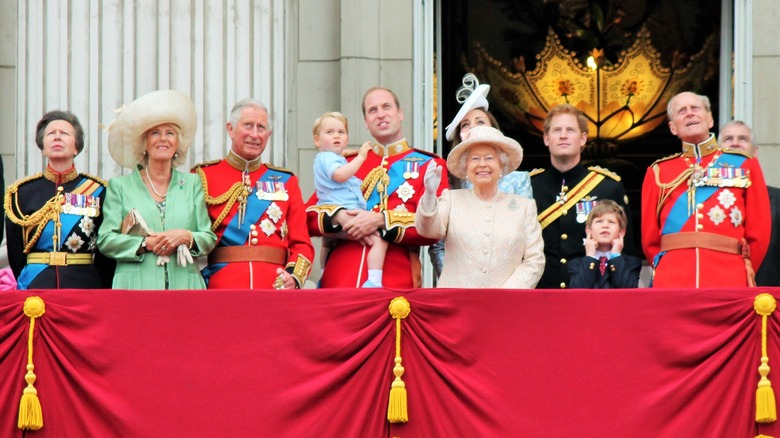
{"x":584,"y":207}
{"x":562,"y":198}
{"x":412,"y":170}
{"x":698,"y":176}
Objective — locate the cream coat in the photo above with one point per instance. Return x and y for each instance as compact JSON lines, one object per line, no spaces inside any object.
{"x":486,"y":244}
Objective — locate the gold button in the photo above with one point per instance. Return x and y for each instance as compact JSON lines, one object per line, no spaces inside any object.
{"x":699,"y":206}
{"x":254,"y":233}
{"x":699,"y":215}
{"x":563,"y":285}
{"x":699,"y":227}
{"x":252,"y":227}
{"x":563,"y":261}
{"x":564,"y":236}
{"x":565,"y":212}
{"x":254,"y":241}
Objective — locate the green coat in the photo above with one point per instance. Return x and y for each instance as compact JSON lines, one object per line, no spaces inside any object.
{"x":185,"y":209}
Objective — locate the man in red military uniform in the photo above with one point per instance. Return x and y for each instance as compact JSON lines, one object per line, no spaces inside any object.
{"x":705,"y":211}
{"x":392,"y":177}
{"x":256,"y":211}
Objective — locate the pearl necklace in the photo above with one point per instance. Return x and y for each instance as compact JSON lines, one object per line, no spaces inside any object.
{"x":151,"y":184}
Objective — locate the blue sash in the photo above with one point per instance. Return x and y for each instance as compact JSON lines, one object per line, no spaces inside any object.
{"x":45,"y":243}
{"x":237,"y":235}
{"x":679,"y":215}
{"x":396,"y":174}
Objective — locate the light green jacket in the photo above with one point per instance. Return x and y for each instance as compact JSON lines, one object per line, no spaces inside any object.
{"x":185,"y":209}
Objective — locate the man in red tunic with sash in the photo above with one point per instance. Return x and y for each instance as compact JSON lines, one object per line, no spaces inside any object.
{"x":705,"y":211}
{"x":392,"y":177}
{"x":256,"y":211}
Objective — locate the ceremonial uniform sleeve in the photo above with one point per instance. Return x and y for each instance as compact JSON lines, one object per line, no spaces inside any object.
{"x":529,"y":271}
{"x":758,"y":216}
{"x":298,"y":236}
{"x":14,"y":241}
{"x":319,"y":221}
{"x":105,"y":265}
{"x":651,"y":227}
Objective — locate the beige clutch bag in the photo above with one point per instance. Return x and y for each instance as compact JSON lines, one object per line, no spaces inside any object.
{"x":135,"y":225}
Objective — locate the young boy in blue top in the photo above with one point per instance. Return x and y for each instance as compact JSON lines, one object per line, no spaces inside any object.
{"x":603,"y":266}
{"x":335,"y":184}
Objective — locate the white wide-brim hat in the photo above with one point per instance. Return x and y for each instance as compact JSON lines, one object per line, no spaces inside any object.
{"x":126,"y":142}
{"x":477,"y":99}
{"x":488,"y":136}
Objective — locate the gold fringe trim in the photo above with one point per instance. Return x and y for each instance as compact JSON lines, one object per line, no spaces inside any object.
{"x":30,"y":413}
{"x":397,"y":410}
{"x":766,"y":409}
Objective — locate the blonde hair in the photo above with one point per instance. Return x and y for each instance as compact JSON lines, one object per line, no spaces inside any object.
{"x":315,"y":130}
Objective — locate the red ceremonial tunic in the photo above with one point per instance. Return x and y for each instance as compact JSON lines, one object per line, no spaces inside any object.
{"x":724,"y":194}
{"x":404,"y":168}
{"x":282,"y":225}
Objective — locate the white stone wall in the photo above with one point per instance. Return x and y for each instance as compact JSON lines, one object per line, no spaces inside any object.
{"x":766,"y":90}
{"x":92,"y":57}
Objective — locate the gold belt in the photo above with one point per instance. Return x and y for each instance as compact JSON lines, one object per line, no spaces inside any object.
{"x":59,"y":258}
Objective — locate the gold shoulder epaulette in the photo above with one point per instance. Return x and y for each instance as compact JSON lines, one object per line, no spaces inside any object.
{"x":537,"y":171}
{"x":13,"y":188}
{"x":98,"y":180}
{"x":666,"y":158}
{"x":737,"y":151}
{"x":204,"y":164}
{"x":603,"y":171}
{"x":279,"y":169}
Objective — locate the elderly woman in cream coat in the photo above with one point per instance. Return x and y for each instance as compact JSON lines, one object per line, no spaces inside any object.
{"x":492,"y":239}
{"x":172,"y":226}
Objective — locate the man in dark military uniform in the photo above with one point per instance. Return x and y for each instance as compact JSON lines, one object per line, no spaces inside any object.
{"x":567,"y":191}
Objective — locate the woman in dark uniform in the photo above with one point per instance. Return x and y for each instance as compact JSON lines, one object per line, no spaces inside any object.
{"x":52,"y":217}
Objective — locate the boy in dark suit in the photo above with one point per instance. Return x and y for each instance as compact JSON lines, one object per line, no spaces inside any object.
{"x":603,"y":266}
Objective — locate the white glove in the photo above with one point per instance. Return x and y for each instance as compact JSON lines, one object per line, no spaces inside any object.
{"x":432,"y":178}
{"x":161,"y":260}
{"x":183,"y":255}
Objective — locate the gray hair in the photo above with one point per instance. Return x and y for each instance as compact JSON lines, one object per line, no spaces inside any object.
{"x":503,"y":158}
{"x":704,"y":100}
{"x":735,"y":123}
{"x":235,"y":113}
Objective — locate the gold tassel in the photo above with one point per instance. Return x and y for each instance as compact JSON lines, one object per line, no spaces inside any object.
{"x":30,"y":413}
{"x":397,"y":410}
{"x":766,"y":409}
{"x":764,"y":436}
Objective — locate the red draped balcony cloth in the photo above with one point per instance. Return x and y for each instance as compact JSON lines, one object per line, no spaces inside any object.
{"x":478,"y":363}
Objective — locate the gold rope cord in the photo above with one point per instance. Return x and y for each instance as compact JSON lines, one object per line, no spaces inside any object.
{"x":397,"y":410}
{"x":766,"y":410}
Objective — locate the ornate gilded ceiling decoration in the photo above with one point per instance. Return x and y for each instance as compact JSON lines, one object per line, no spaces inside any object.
{"x":622,"y":101}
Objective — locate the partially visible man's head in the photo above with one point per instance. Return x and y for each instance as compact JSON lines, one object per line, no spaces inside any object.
{"x":690,"y":117}
{"x":736,"y":134}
